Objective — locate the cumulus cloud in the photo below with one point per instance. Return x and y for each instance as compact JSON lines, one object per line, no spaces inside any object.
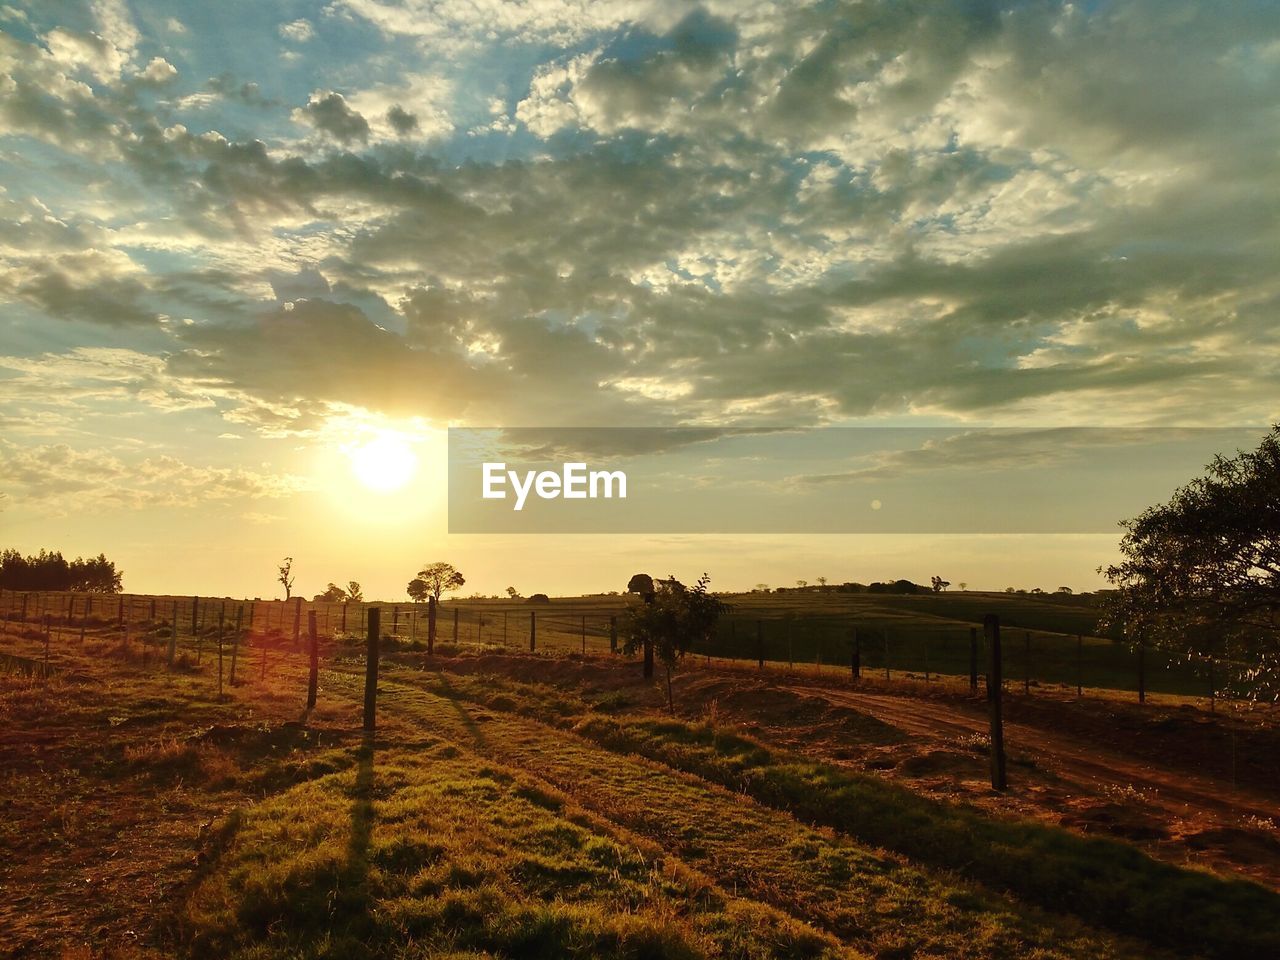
{"x":328,"y":112}
{"x":744,"y":215}
{"x":61,"y":479}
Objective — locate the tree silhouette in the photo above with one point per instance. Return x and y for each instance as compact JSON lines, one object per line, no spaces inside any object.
{"x":641,"y":584}
{"x":355,"y":593}
{"x":672,"y":621}
{"x":440,"y":577}
{"x":286,"y":577}
{"x":1201,"y":573}
{"x":332,"y":594}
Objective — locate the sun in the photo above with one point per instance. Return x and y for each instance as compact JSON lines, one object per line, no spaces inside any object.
{"x":384,"y":464}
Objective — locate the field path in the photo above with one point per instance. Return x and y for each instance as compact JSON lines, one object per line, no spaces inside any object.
{"x":859,"y":894}
{"x":1071,"y":761}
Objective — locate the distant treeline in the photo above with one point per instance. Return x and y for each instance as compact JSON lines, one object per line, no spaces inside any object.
{"x":896,"y":586}
{"x":52,"y":571}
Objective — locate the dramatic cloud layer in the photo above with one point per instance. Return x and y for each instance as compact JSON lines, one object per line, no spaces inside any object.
{"x":554,"y":213}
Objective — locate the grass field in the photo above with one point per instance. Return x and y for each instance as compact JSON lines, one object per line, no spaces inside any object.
{"x":538,"y":806}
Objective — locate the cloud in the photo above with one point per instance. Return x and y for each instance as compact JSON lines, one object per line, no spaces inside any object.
{"x":299,"y":31}
{"x":328,"y":112}
{"x":58,"y":478}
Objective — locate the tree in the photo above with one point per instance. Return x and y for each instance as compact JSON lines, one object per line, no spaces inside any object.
{"x":939,"y":584}
{"x":963,"y":585}
{"x":332,"y":594}
{"x":51,"y":571}
{"x":674,"y":619}
{"x":513,"y":593}
{"x":440,"y":577}
{"x":1067,"y":591}
{"x":822,"y":581}
{"x":355,"y":593}
{"x":418,"y":590}
{"x":1201,"y":573}
{"x":802,"y":584}
{"x":762,"y":587}
{"x":286,"y":576}
{"x":641,"y":584}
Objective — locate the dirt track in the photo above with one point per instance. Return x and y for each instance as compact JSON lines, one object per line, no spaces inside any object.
{"x":1188,"y":816}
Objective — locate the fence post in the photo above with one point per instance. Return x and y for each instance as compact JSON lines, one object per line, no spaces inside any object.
{"x":1026,"y":664}
{"x":533,"y":630}
{"x":995,"y":688}
{"x":47,"y":630}
{"x":297,"y":620}
{"x":235,"y":643}
{"x":195,"y":606}
{"x":455,"y":626}
{"x":24,"y":610}
{"x":344,"y":615}
{"x":886,"y":653}
{"x":221,"y":618}
{"x":791,"y":660}
{"x":613,"y":633}
{"x":1142,"y":669}
{"x":173,"y":635}
{"x":431,"y":625}
{"x":371,"y":670}
{"x":760,"y":642}
{"x":926,"y":657}
{"x":855,"y":658}
{"x":313,"y":678}
{"x":973,"y":659}
{"x":1079,"y":666}
{"x":1213,"y":699}
{"x":395,"y":621}
{"x":504,"y":628}
{"x":120,"y":612}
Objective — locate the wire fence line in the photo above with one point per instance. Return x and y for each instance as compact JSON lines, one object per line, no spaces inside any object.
{"x":843,"y":644}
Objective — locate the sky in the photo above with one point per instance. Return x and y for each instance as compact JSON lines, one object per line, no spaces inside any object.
{"x":257,"y":258}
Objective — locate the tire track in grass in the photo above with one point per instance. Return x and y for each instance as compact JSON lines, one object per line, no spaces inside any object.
{"x":872,"y":900}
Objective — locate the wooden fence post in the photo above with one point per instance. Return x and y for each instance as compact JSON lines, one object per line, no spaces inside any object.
{"x":173,"y":635}
{"x":47,"y":630}
{"x":504,"y":628}
{"x":221,"y":618}
{"x":195,"y":606}
{"x":995,"y":689}
{"x":455,"y":626}
{"x":533,"y":630}
{"x":371,"y":670}
{"x":1026,"y":663}
{"x":855,"y":657}
{"x":1142,"y":669}
{"x":395,"y":621}
{"x":344,"y":615}
{"x":297,"y":620}
{"x":431,"y":625}
{"x":1079,"y":666}
{"x":235,"y":643}
{"x":613,"y":633}
{"x":313,"y":678}
{"x":973,"y":659}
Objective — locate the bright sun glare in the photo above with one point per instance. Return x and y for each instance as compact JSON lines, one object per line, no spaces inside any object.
{"x":384,"y":464}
